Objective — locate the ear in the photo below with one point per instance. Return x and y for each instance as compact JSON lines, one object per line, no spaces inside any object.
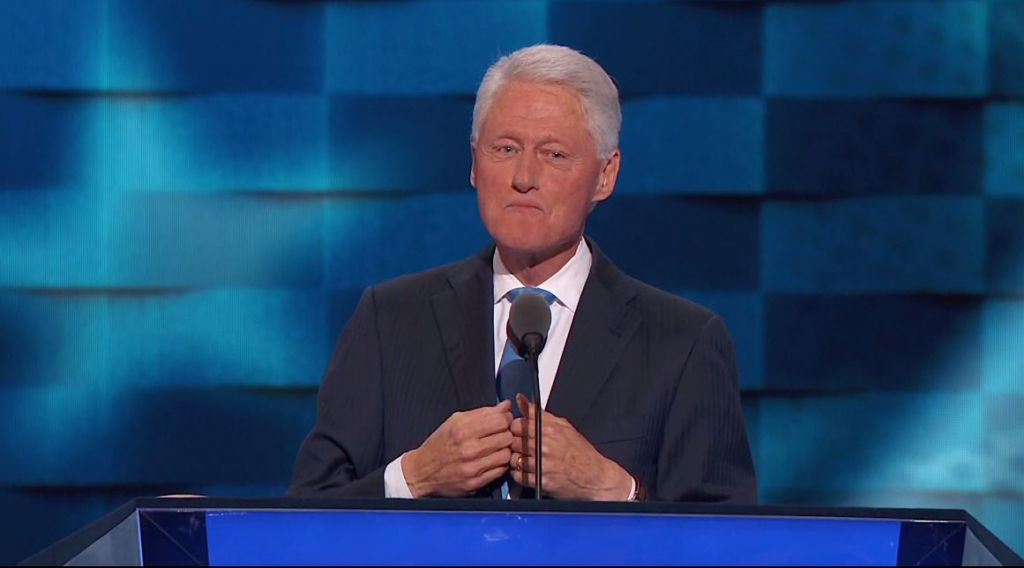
{"x":472,"y":167}
{"x":610,"y":172}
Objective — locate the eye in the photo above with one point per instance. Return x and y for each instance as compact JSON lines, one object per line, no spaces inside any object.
{"x":556,"y":155}
{"x":505,"y":150}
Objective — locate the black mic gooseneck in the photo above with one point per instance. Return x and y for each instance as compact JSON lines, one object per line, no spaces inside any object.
{"x":533,"y":354}
{"x":528,"y":324}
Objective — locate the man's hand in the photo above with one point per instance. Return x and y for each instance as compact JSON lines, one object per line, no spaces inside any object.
{"x":468,"y":451}
{"x":573,"y":468}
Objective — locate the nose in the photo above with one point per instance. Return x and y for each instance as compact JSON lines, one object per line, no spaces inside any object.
{"x":526,"y":174}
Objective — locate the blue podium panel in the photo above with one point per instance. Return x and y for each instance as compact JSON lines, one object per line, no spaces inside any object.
{"x":289,"y":532}
{"x":540,"y":538}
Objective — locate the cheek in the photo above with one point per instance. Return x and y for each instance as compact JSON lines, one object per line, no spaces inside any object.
{"x":490,"y":180}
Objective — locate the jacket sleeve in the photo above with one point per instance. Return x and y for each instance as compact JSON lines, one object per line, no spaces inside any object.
{"x":342,"y":455}
{"x":705,"y":454}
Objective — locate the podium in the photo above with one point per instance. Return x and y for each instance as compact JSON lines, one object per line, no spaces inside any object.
{"x":155,"y":532}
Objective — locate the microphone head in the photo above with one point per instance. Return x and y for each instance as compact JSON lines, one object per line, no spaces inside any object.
{"x":529,"y":321}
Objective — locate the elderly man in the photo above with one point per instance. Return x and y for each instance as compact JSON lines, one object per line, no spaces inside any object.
{"x":638,"y":386}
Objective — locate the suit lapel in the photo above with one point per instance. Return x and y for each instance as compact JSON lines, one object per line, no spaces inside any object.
{"x":601,"y":329}
{"x":465,"y":315}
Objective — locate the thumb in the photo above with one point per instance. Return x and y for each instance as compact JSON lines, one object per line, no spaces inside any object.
{"x":524,"y":405}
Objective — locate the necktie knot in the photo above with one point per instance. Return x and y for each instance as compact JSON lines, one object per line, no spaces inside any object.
{"x":516,"y":292}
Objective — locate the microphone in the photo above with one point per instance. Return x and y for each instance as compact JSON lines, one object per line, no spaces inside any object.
{"x":528,"y":324}
{"x":529,"y":321}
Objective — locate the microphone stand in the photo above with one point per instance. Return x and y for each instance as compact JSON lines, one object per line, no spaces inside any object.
{"x":535,"y":371}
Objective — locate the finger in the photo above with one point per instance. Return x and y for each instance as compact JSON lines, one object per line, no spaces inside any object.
{"x":483,"y":425}
{"x":490,"y":475}
{"x":501,"y":412}
{"x":499,"y":441}
{"x":483,"y":478}
{"x":528,"y":465}
{"x":526,"y":445}
{"x":486,"y":467}
{"x":501,"y":458}
{"x":500,"y":408}
{"x":518,"y":427}
{"x":525,"y":479}
{"x":523,"y":427}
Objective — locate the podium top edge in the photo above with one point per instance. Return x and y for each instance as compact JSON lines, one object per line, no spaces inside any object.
{"x":548,"y":506}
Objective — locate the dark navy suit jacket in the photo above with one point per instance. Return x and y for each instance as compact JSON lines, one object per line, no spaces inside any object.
{"x":647,"y":377}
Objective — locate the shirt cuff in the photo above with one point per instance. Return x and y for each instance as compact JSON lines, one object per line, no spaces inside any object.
{"x":395,"y":486}
{"x":632,"y":489}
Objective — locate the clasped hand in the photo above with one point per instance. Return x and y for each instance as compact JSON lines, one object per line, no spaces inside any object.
{"x":472,"y":449}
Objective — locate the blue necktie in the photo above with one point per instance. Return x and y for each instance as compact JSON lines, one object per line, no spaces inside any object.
{"x":513,"y":371}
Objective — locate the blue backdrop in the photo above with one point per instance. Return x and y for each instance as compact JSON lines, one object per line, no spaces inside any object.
{"x":194,"y":193}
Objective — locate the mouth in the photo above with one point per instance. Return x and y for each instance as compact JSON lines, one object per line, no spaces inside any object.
{"x":521,"y":206}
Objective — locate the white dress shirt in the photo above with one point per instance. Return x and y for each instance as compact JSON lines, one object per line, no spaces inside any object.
{"x":567,"y":286}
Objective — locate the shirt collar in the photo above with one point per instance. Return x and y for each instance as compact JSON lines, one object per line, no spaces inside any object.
{"x":566,"y":284}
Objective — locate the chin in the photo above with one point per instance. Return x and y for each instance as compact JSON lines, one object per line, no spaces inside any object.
{"x":526,"y":237}
{"x":523,"y":244}
{"x":529,"y":244}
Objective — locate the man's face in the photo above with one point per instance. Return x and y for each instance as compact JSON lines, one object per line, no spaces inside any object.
{"x":536,"y":170}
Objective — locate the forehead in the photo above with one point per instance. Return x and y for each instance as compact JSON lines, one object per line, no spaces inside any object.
{"x":535,"y":104}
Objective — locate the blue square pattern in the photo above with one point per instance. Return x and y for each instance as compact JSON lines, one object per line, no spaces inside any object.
{"x":228,"y":45}
{"x":1003,"y":429}
{"x":204,"y":143}
{"x":852,"y":343}
{"x":907,"y":48}
{"x":678,"y":243}
{"x":862,"y":444}
{"x":692,"y":146}
{"x":1004,"y":149}
{"x":400,"y":144}
{"x":219,"y":338}
{"x":374,"y":239}
{"x":55,"y":339}
{"x":1005,"y":227}
{"x":1006,"y":26}
{"x":53,"y":239}
{"x":44,"y":141}
{"x":52,"y":44}
{"x":158,"y":240}
{"x":417,"y":48}
{"x":894,"y":498}
{"x":891,"y":244}
{"x":743,"y":314}
{"x":874,"y":147}
{"x":59,"y":435}
{"x":159,"y":339}
{"x":64,"y":436}
{"x":667,"y":48}
{"x":208,"y":143}
{"x":1003,"y":347}
{"x":181,"y":240}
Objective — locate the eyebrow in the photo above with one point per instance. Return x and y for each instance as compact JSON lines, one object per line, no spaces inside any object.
{"x":545,"y":140}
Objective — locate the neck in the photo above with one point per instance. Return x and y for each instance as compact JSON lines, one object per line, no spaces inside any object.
{"x":533,"y":268}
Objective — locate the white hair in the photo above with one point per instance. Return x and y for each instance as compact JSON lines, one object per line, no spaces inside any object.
{"x":558,"y":65}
